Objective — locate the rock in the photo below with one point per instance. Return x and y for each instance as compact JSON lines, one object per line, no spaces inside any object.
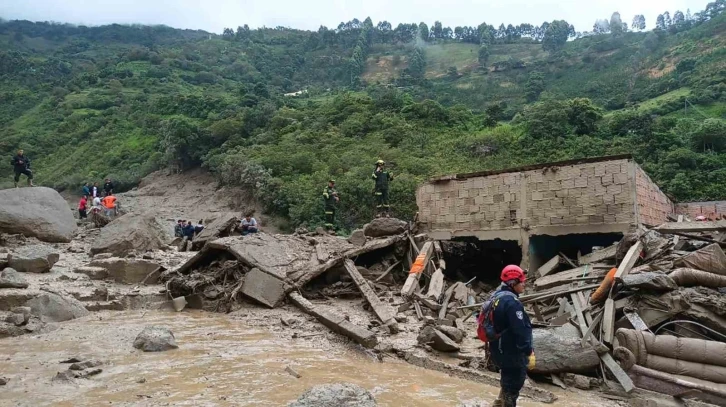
{"x":385,"y":227}
{"x":4,"y":381}
{"x":122,"y":270}
{"x":16,"y":319}
{"x":85,"y":365}
{"x":94,"y":273}
{"x":336,"y":395}
{"x":36,"y":212}
{"x":456,"y":334}
{"x":264,"y":288}
{"x":357,"y":238}
{"x":9,"y":330}
{"x":33,"y":259}
{"x":155,"y":339}
{"x":50,"y":307}
{"x":436,"y":339}
{"x":130,"y":233}
{"x":65,"y":376}
{"x":321,"y":231}
{"x":577,"y":381}
{"x":9,"y":278}
{"x":26,"y":312}
{"x":650,"y":281}
{"x":101,"y":256}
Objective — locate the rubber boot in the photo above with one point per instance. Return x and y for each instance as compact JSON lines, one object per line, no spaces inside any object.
{"x":16,"y":185}
{"x":509,"y":399}
{"x":498,"y":402}
{"x":30,"y":183}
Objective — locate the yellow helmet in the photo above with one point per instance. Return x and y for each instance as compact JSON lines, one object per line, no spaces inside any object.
{"x":380,"y":162}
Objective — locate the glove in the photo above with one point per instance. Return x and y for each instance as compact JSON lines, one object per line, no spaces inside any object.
{"x":531,"y":361}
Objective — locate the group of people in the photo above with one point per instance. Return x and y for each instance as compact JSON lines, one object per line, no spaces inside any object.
{"x":381,"y":178}
{"x":98,"y":199}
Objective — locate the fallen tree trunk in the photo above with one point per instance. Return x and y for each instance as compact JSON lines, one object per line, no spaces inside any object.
{"x":558,"y":353}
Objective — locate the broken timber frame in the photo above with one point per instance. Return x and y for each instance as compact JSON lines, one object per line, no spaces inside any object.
{"x":422,"y":261}
{"x":383,"y":311}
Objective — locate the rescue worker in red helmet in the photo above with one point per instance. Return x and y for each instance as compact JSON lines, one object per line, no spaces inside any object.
{"x":512,"y":352}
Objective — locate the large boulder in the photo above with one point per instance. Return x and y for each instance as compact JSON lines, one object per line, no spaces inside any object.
{"x":36,"y":212}
{"x":155,"y":339}
{"x":357,"y":238}
{"x":10,"y":278}
{"x":51,"y":307}
{"x":33,"y":259}
{"x":221,"y":227}
{"x":129,"y":233}
{"x":336,"y":395}
{"x":385,"y":227}
{"x":121,"y":270}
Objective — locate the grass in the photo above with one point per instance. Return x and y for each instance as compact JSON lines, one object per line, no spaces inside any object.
{"x":655,"y":102}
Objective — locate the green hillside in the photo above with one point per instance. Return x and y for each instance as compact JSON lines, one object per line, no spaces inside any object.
{"x":121,"y":101}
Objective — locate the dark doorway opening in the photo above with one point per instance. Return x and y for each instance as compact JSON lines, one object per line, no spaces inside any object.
{"x":542,"y":248}
{"x":470,"y":257}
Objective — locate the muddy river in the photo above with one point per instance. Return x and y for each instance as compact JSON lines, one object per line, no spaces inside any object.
{"x":220,"y":362}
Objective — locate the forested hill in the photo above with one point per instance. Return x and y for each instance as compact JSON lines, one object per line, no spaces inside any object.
{"x":281,"y":110}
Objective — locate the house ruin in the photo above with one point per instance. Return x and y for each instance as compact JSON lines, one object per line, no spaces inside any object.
{"x":529,"y":214}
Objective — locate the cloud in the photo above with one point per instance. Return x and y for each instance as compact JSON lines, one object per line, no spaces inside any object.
{"x":215,"y":15}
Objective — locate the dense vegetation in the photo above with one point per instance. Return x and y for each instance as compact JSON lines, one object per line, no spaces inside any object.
{"x":122,"y":101}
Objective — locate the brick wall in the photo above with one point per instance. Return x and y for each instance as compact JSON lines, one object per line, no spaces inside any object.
{"x":579,"y":194}
{"x":653,"y":205}
{"x":713,"y":210}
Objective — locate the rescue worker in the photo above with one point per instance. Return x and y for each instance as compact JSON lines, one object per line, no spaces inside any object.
{"x":512,"y":352}
{"x":382,"y":178}
{"x":21,"y":165}
{"x":331,"y":199}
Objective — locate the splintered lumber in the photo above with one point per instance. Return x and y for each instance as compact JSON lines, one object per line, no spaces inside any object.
{"x":548,"y":267}
{"x":335,"y":322}
{"x":599,"y":255}
{"x":685,"y":227}
{"x":447,"y":298}
{"x":422,"y":261}
{"x":608,"y":321}
{"x":305,"y":276}
{"x":628,"y":261}
{"x":694,"y":237}
{"x":636,"y":321}
{"x":585,"y":309}
{"x":578,"y":313}
{"x":669,"y":378}
{"x":388,"y":271}
{"x":565,"y":277}
{"x":591,"y":329}
{"x":544,"y":295}
{"x":617,"y":372}
{"x":383,"y":311}
{"x":436,"y":285}
{"x":567,"y":259}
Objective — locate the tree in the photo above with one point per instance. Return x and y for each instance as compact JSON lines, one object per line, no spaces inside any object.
{"x":601,"y":27}
{"x":709,"y":136}
{"x":667,"y":19}
{"x":486,"y":34}
{"x":483,"y":54}
{"x":679,"y":19}
{"x":638,"y":22}
{"x":660,"y":22}
{"x":437,"y":30}
{"x":423,"y":31}
{"x":535,"y":85}
{"x":583,"y":116}
{"x":555,"y":36}
{"x":616,"y":24}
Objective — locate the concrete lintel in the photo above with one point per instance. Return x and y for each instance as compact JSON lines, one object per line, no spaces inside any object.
{"x":580,"y":229}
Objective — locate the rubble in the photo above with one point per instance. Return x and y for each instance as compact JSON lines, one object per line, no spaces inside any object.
{"x":9,"y":278}
{"x":33,"y":259}
{"x":52,"y":307}
{"x":155,"y":339}
{"x":336,"y":395}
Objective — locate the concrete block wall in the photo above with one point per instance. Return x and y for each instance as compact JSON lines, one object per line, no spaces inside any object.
{"x":712,"y":210}
{"x":578,"y":194}
{"x":653,"y":205}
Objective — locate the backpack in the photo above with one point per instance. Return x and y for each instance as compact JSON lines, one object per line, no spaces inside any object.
{"x":485,"y":321}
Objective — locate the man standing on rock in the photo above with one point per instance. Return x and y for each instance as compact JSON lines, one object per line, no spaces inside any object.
{"x":382,"y":178}
{"x":108,"y":187}
{"x":331,"y":199}
{"x":512,"y":350}
{"x":21,"y":165}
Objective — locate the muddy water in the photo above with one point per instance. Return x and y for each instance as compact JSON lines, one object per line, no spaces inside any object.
{"x":220,"y":362}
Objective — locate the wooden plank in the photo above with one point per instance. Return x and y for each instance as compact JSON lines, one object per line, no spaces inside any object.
{"x":414,"y":246}
{"x":554,"y":293}
{"x":436,"y":285}
{"x":447,"y":298}
{"x":437,"y":249}
{"x":578,"y":314}
{"x":382,"y":310}
{"x":636,"y":321}
{"x":537,"y":313}
{"x":567,"y":259}
{"x":617,"y":371}
{"x":548,"y":267}
{"x":685,"y":227}
{"x":599,"y":255}
{"x":585,"y":310}
{"x":608,"y":321}
{"x":419,"y":313}
{"x":418,"y":267}
{"x":565,"y":277}
{"x":382,"y":276}
{"x":593,"y":326}
{"x":628,"y":261}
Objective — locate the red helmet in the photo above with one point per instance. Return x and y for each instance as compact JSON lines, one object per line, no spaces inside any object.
{"x":512,"y":272}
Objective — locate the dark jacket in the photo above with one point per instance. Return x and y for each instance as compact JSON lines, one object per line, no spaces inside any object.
{"x":382,"y":179}
{"x":515,"y":345}
{"x":329,"y":195}
{"x":86,"y":190}
{"x":21,"y":162}
{"x":189,"y":231}
{"x":178,"y":230}
{"x":108,"y":187}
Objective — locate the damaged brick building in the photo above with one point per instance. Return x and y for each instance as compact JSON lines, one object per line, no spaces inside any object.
{"x":537,"y":211}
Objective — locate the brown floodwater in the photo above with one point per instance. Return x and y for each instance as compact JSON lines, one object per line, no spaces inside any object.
{"x":220,"y":362}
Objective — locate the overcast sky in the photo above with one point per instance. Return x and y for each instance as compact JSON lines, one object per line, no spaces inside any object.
{"x":215,"y":15}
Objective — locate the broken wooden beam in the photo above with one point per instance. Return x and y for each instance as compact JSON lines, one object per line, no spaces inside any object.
{"x":578,"y":314}
{"x":600,"y":255}
{"x":447,"y":298}
{"x":548,"y":267}
{"x":565,"y":277}
{"x":685,"y":227}
{"x":388,"y":271}
{"x":608,"y":321}
{"x":628,"y":261}
{"x":383,"y":311}
{"x":335,"y":322}
{"x":422,"y":261}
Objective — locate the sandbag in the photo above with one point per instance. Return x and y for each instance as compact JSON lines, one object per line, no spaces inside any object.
{"x":686,"y":349}
{"x":686,"y":277}
{"x":710,"y":258}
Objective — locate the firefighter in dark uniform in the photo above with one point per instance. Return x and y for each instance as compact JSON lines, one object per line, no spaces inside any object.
{"x":330,"y":198}
{"x":382,"y":178}
{"x":512,"y":352}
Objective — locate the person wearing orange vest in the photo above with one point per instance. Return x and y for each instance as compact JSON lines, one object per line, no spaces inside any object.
{"x":109,"y":204}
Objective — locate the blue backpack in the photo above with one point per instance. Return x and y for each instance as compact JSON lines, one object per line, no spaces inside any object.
{"x":485,"y":321}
